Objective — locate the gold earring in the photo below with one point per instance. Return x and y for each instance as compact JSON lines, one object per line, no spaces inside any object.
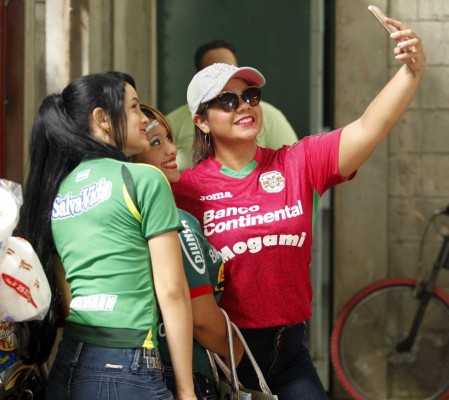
{"x":106,"y":138}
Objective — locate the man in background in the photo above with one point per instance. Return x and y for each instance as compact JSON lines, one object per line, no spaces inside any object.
{"x":276,"y":130}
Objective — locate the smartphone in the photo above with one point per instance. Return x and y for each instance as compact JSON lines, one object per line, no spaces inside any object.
{"x":380,"y":16}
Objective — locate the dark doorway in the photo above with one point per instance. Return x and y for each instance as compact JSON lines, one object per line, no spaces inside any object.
{"x":273,"y":37}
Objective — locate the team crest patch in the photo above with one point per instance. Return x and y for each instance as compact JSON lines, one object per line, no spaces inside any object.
{"x":272,"y":182}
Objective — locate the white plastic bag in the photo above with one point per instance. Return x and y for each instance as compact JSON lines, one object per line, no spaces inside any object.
{"x":24,"y":290}
{"x":10,"y":202}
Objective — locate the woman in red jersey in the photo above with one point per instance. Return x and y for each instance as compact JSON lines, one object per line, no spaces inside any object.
{"x":255,"y":205}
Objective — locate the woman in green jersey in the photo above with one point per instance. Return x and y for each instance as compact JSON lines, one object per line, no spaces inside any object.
{"x":106,"y":230}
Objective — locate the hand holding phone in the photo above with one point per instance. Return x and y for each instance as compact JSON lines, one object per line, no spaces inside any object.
{"x":400,"y":50}
{"x":380,"y":16}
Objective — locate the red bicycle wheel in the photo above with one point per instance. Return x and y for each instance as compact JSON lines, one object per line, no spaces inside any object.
{"x":365,"y":335}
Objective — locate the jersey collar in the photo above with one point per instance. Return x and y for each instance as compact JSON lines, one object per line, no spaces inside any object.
{"x":245,"y":171}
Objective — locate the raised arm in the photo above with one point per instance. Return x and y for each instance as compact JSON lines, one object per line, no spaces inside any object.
{"x":360,"y":138}
{"x":174,"y":301}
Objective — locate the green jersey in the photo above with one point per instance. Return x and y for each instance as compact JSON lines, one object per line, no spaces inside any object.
{"x":103,"y":215}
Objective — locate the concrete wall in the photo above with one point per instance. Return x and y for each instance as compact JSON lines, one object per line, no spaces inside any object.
{"x":380,"y":216}
{"x":68,"y":38}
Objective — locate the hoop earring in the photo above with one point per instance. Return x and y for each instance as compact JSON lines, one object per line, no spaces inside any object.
{"x":207,"y":139}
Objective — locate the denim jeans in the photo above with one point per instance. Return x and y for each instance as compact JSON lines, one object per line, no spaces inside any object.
{"x":86,"y":372}
{"x":204,"y":387}
{"x":284,"y":358}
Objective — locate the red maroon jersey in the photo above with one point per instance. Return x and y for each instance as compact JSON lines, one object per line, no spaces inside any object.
{"x":260,"y":219}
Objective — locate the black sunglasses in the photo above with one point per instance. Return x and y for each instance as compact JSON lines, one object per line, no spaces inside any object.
{"x":230,"y":101}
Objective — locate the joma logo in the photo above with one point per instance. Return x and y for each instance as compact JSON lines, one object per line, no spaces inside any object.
{"x":216,"y":196}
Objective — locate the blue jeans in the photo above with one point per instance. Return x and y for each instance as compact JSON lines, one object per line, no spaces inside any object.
{"x":82,"y":371}
{"x":204,"y":387}
{"x":284,"y":358}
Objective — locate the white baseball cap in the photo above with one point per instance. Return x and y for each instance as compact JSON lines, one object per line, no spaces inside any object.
{"x":210,"y":81}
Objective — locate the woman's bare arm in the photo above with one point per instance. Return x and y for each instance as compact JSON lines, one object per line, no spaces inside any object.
{"x":174,"y":301}
{"x":209,"y":328}
{"x":360,"y":138}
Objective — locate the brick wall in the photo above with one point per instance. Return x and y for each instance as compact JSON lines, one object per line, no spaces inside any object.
{"x":380,"y":216}
{"x":419,"y":146}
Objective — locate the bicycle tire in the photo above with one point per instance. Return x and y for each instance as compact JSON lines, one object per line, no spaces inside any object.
{"x":364,"y":337}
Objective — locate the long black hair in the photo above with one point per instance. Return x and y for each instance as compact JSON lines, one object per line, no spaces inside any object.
{"x":60,"y":140}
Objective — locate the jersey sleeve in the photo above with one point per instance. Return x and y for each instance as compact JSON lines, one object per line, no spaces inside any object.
{"x":194,"y":256}
{"x":155,"y":201}
{"x":321,"y":159}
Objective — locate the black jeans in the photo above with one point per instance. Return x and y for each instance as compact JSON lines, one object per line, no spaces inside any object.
{"x":204,"y":386}
{"x":284,"y":358}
